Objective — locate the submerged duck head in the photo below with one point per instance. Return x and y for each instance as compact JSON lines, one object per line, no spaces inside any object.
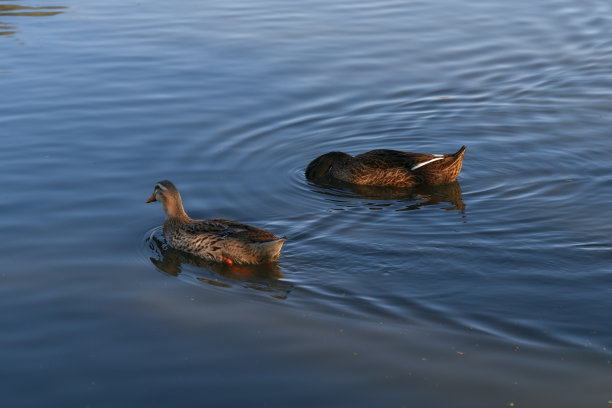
{"x":324,"y":165}
{"x":168,"y":195}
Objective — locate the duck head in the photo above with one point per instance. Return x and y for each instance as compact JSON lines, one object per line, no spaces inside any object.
{"x":168,"y":195}
{"x":324,"y":165}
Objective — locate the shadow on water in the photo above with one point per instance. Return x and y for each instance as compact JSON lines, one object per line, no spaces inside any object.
{"x":263,"y":278}
{"x":418,"y":197}
{"x":15,"y":10}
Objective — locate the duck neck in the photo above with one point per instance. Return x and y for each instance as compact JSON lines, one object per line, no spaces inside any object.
{"x":174,"y":210}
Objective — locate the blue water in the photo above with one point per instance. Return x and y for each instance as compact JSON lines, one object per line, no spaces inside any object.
{"x":489,"y":292}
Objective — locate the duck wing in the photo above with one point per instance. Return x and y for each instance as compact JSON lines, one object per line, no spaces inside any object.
{"x":387,"y":159}
{"x":384,"y":159}
{"x":224,"y":227}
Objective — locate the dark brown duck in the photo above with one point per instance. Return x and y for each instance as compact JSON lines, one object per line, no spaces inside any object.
{"x":388,"y":168}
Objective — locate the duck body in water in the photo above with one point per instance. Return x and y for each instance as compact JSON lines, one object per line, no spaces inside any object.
{"x":215,"y":239}
{"x":391,"y":168}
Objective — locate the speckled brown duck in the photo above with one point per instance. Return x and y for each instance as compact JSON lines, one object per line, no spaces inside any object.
{"x":216,"y":239}
{"x":391,"y":168}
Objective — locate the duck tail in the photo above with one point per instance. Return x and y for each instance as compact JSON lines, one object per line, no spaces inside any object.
{"x":269,"y":250}
{"x":441,"y":169}
{"x":460,"y":152}
{"x":454,"y":167}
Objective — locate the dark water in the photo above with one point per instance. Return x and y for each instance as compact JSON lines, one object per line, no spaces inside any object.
{"x":490,"y":292}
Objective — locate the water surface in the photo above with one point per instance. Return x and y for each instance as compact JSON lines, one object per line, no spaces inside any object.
{"x":492,"y":291}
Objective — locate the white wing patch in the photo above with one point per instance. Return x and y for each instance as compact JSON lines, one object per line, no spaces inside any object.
{"x":416,"y":166}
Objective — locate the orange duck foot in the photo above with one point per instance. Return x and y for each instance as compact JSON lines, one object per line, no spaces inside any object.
{"x":236,"y":269}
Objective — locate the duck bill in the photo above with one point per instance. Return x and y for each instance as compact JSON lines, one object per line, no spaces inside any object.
{"x":152,"y":198}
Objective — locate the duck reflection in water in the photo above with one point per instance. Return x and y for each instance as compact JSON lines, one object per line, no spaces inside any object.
{"x":18,"y":10}
{"x":261,"y":277}
{"x":376,"y":197}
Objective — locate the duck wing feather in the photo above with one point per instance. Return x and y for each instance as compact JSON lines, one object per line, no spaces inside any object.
{"x":224,"y":227}
{"x":386,"y":159}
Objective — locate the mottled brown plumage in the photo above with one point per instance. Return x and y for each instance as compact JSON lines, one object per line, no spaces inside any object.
{"x":216,"y":239}
{"x":388,"y":168}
